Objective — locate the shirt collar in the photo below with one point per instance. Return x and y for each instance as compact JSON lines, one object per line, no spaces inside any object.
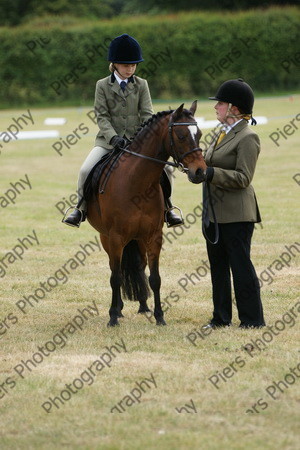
{"x":227,"y":127}
{"x":114,"y":76}
{"x":119,"y":79}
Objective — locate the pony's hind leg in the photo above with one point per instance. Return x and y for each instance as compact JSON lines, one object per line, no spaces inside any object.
{"x":143,"y":307}
{"x":143,"y":303}
{"x":155,"y":281}
{"x":115,"y":311}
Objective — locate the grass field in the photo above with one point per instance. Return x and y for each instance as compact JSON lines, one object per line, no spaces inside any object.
{"x":236,"y":389}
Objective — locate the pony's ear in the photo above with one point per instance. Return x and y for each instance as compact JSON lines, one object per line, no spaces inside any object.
{"x":193,"y":107}
{"x":177,"y":113}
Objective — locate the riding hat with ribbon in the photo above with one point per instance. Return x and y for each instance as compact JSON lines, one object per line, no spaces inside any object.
{"x":238,"y":93}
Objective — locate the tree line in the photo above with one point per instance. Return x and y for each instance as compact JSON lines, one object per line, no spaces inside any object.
{"x":13,"y":13}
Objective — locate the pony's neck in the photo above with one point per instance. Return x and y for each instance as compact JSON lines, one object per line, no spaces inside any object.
{"x":151,"y":140}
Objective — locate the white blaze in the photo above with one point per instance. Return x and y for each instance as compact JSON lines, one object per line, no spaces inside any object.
{"x":193,"y":131}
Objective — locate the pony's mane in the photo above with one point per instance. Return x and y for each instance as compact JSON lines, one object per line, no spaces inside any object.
{"x":155,"y":117}
{"x":150,"y":120}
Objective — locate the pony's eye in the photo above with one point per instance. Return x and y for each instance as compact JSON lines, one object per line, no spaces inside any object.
{"x":181,"y":138}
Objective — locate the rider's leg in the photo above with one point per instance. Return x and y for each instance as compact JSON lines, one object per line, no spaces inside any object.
{"x":79,"y":213}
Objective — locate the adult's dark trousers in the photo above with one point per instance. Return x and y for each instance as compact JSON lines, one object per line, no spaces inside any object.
{"x":231,"y":255}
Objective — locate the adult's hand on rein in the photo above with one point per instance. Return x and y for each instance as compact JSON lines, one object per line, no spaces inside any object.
{"x":208,"y":174}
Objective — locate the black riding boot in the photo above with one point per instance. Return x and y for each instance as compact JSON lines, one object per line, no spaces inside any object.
{"x":172,"y":219}
{"x":75,"y":218}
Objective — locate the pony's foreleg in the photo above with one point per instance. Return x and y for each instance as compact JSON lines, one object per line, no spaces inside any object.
{"x":154,"y":278}
{"x":115,"y":279}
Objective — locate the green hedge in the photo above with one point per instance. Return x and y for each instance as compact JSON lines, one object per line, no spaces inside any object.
{"x":186,"y":55}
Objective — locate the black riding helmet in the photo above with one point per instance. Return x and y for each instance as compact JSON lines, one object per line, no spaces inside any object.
{"x":238,"y":93}
{"x":125,"y":49}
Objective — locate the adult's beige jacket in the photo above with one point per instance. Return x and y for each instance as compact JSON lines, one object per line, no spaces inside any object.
{"x":120,"y":113}
{"x":234,"y":160}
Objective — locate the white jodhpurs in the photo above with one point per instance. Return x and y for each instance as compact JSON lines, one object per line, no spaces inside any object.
{"x":93,"y":157}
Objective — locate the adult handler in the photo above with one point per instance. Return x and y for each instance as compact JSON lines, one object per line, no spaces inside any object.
{"x":122,"y":104}
{"x":231,"y":161}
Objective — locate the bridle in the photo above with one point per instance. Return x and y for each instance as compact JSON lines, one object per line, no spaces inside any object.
{"x":176,"y":157}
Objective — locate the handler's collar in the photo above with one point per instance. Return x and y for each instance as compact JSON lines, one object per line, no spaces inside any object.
{"x":228,"y":127}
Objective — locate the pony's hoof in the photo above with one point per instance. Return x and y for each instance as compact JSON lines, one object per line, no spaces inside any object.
{"x":113,"y":323}
{"x":144,"y":310}
{"x":160,"y":322}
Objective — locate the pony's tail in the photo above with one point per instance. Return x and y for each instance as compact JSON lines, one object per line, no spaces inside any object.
{"x":135,"y":284}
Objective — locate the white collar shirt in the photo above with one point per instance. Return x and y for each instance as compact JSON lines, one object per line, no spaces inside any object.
{"x":227,"y":127}
{"x":119,"y":79}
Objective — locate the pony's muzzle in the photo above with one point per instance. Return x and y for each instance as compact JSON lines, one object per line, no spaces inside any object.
{"x":196,"y":176}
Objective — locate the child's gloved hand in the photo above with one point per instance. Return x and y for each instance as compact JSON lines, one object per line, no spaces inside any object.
{"x":118,"y":142}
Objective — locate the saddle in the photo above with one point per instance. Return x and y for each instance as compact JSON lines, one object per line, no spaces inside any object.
{"x":92,"y":182}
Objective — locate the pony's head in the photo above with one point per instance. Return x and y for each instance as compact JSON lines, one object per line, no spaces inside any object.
{"x":184,"y":136}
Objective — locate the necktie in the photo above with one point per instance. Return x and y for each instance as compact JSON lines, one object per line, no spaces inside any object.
{"x":221,"y":137}
{"x":123,"y":85}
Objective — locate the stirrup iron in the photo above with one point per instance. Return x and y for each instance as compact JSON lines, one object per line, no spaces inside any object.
{"x":73,"y":207}
{"x":180,"y":213}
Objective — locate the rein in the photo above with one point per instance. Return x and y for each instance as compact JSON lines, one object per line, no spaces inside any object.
{"x":207,"y":199}
{"x":179,"y":166}
{"x":177,"y":158}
